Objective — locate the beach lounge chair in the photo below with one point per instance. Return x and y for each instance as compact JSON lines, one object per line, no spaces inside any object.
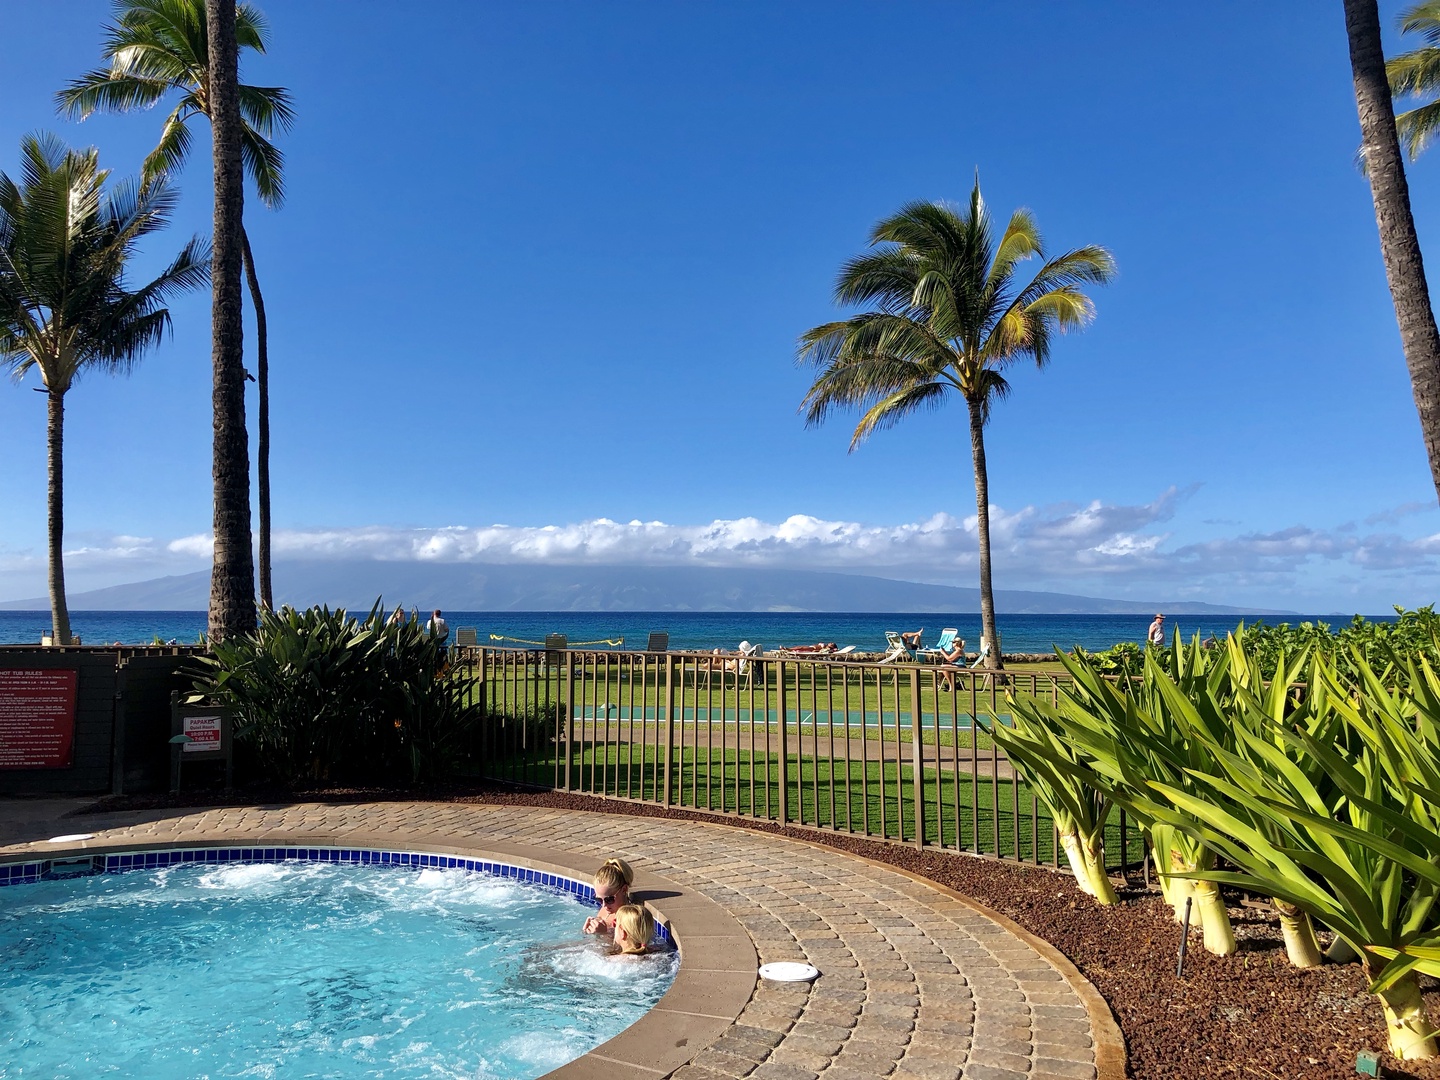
{"x":896,"y":648}
{"x":742,"y":665}
{"x":659,"y":641}
{"x":556,"y":646}
{"x":941,"y":647}
{"x":466,"y":635}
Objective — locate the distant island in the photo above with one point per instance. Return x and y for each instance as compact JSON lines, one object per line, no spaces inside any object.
{"x":355,"y":584}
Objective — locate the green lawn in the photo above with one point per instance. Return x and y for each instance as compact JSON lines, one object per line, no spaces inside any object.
{"x":624,"y":687}
{"x":871,"y":797}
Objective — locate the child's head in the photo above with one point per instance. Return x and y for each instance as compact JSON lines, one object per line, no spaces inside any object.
{"x":634,"y":928}
{"x":612,"y":882}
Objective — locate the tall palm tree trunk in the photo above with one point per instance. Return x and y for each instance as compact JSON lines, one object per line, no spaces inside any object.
{"x":55,"y":511}
{"x":262,"y":421}
{"x":1399,"y":246}
{"x":982,"y":531}
{"x":232,"y":579}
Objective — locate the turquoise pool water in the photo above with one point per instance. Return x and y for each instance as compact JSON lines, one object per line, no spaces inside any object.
{"x":300,"y":969}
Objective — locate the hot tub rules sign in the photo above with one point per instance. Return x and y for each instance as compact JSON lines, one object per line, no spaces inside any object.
{"x":37,"y":717}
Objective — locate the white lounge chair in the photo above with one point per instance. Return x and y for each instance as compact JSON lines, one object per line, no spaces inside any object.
{"x":896,"y":648}
{"x":741,"y":664}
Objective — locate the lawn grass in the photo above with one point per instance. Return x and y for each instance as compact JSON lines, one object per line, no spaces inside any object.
{"x":854,"y":696}
{"x":984,"y":814}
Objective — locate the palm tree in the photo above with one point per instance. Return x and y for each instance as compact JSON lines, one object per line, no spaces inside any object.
{"x":65,"y":307}
{"x":951,"y":317}
{"x":1399,"y":246}
{"x":159,"y":46}
{"x":232,"y":577}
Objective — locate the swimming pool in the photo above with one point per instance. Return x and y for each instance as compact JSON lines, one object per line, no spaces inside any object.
{"x":305,"y":962}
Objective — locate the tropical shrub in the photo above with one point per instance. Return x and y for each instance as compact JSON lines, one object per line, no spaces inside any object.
{"x":1343,"y":824}
{"x":1322,"y":794}
{"x":321,"y":696}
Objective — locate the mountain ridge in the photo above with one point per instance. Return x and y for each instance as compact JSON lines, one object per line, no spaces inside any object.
{"x":356,"y":584}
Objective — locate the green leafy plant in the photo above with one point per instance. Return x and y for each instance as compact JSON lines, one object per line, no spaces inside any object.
{"x":1037,"y":744}
{"x":324,"y":697}
{"x":1353,"y":839}
{"x":1122,"y":735}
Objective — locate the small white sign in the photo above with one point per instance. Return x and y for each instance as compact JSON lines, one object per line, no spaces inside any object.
{"x":204,"y":732}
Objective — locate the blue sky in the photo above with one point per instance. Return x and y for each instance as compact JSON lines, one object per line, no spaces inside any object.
{"x":536,"y":288}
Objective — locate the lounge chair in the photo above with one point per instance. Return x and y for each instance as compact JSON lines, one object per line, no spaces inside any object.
{"x":896,"y":648}
{"x":741,"y":664}
{"x":659,"y":641}
{"x":556,"y":645}
{"x":466,"y":635}
{"x":941,"y":647}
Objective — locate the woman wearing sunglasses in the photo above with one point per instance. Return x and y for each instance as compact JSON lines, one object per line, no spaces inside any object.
{"x":612,"y":889}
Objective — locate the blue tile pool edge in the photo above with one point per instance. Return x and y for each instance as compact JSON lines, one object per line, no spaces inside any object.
{"x":26,"y":873}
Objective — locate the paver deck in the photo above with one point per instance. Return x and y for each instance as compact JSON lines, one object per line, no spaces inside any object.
{"x":915,"y":980}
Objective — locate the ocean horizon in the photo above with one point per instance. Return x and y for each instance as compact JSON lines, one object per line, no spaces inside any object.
{"x":693,"y":630}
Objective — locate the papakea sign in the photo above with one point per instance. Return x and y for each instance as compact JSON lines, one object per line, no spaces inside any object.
{"x":37,"y":717}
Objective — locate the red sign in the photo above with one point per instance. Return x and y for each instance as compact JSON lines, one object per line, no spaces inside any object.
{"x":37,"y":718}
{"x":204,"y":732}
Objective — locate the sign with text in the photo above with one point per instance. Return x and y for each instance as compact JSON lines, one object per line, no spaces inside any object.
{"x":204,"y":732}
{"x":37,"y":717}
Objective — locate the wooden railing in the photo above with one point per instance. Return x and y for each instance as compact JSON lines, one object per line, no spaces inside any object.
{"x":891,"y":751}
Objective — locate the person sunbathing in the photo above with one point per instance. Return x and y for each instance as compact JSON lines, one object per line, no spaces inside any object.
{"x":911,"y":638}
{"x":821,"y":647}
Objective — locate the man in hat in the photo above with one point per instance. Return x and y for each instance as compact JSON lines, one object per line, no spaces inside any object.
{"x":1156,"y":634}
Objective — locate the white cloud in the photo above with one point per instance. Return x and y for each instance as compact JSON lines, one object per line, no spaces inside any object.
{"x":1120,"y":551}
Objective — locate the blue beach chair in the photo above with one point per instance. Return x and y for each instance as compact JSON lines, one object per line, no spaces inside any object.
{"x":943,"y":645}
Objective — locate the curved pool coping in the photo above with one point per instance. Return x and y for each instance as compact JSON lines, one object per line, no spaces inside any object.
{"x":718,"y":967}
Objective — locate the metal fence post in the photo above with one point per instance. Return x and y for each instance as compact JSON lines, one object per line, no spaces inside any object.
{"x":785,"y":748}
{"x":917,"y":758}
{"x":669,"y":724}
{"x":569,"y":706}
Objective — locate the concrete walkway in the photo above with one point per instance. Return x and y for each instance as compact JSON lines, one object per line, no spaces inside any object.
{"x":916,"y":981}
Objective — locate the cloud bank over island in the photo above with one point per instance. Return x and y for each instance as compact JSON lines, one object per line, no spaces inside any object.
{"x":1119,"y":551}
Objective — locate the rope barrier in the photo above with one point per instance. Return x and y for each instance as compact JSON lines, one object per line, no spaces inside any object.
{"x":568,"y":645}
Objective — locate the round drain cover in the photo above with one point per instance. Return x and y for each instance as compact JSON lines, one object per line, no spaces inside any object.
{"x":788,"y":971}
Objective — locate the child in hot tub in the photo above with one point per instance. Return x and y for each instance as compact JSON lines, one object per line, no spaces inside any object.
{"x":634,"y":930}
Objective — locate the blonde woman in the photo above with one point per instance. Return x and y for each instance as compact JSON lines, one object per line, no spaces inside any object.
{"x":634,"y":930}
{"x":612,"y":889}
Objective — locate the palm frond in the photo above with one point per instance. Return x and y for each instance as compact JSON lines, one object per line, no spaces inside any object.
{"x":1021,"y":240}
{"x":890,"y":410}
{"x":885,"y":276}
{"x":174,"y":146}
{"x":266,"y":108}
{"x":265,"y":164}
{"x":102,"y":91}
{"x":1423,"y":18}
{"x":251,"y":29}
{"x":1417,"y":128}
{"x":1415,"y":72}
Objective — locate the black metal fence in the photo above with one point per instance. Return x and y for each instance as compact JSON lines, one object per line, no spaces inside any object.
{"x":892,"y":751}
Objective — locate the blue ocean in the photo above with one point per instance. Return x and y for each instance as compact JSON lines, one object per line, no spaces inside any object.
{"x":688,"y":630}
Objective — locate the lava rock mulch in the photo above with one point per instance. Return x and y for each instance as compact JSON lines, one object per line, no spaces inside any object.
{"x":1250,"y":1016}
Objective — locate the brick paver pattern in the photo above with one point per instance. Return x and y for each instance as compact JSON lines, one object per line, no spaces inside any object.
{"x":914,"y":982}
